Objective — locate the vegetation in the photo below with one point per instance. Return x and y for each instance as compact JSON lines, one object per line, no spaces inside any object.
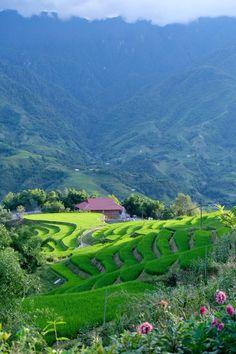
{"x":186,"y":317}
{"x":20,"y":256}
{"x":118,"y":253}
{"x":50,"y":104}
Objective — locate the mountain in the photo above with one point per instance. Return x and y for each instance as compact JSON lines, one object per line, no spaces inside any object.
{"x":112,"y":106}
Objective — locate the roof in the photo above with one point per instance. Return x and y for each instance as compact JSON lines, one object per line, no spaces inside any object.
{"x":99,"y":204}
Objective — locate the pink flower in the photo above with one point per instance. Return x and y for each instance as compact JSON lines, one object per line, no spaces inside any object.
{"x":145,"y":328}
{"x":203,"y":311}
{"x":220,"y":326}
{"x":230,"y":310}
{"x":214,"y":322}
{"x":220,"y":297}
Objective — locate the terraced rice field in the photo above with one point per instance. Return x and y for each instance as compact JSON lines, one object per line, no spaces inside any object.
{"x":124,"y":251}
{"x":60,"y":232}
{"x":120,"y":256}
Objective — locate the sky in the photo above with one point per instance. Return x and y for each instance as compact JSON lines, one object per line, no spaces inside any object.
{"x":159,"y":12}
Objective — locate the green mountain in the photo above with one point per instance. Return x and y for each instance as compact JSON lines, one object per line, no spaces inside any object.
{"x":115,"y":107}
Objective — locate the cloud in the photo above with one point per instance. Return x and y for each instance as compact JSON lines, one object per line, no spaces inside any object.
{"x":160,"y":12}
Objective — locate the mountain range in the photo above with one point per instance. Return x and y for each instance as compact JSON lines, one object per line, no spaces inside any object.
{"x":116,"y":107}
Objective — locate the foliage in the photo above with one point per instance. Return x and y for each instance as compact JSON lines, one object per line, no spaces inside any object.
{"x":53,"y":207}
{"x":20,"y":256}
{"x":12,"y":283}
{"x":183,"y":205}
{"x":28,"y":248}
{"x":71,"y":197}
{"x":142,"y":206}
{"x":228,"y":217}
{"x":4,"y":215}
{"x":30,"y":199}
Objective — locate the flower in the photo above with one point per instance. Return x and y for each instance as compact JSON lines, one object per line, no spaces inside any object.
{"x":230,"y":310}
{"x":203,"y":311}
{"x":220,"y":326}
{"x":220,"y":297}
{"x":214,"y":322}
{"x":163,"y":303}
{"x":145,"y":328}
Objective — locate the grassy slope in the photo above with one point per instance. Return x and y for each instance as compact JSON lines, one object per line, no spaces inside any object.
{"x":81,"y":307}
{"x":84,"y":309}
{"x":63,"y":228}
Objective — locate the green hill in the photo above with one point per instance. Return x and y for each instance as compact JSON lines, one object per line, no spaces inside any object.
{"x":123,"y":256}
{"x":112,"y":106}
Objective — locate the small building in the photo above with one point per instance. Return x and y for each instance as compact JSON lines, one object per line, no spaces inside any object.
{"x":107,"y":206}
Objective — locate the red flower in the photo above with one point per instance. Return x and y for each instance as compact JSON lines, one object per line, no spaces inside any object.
{"x":220,"y":297}
{"x":145,"y":328}
{"x":214,"y":322}
{"x":220,"y":326}
{"x":230,"y":310}
{"x":203,"y":311}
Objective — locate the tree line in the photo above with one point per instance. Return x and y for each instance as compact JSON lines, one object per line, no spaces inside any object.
{"x":65,"y":200}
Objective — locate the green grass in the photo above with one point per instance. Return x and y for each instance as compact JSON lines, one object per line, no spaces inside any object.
{"x":80,"y":298}
{"x":86,"y":309}
{"x":63,"y":228}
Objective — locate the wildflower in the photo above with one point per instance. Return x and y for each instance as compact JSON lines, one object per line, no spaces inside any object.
{"x":230,"y":310}
{"x":220,"y":326}
{"x":145,"y":328}
{"x":163,"y":303}
{"x":220,"y":297}
{"x":214,"y":322}
{"x":203,"y":311}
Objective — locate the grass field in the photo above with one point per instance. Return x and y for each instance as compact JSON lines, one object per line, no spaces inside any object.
{"x":120,"y":256}
{"x":85,"y":309}
{"x":61,"y":231}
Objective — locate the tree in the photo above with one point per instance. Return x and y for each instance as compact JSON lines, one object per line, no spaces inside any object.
{"x":53,"y":207}
{"x":183,"y":205}
{"x":20,"y":209}
{"x":28,"y":248}
{"x":72,"y":197}
{"x":5,"y":216}
{"x":167,"y":214}
{"x":228,"y":217}
{"x":142,"y":206}
{"x":5,"y":239}
{"x":12,"y":283}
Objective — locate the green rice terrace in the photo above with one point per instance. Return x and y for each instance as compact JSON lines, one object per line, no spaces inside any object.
{"x":87,"y":255}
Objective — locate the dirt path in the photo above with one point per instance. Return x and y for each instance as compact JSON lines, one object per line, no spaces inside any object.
{"x":98,"y":265}
{"x":172,"y":245}
{"x":191,"y":240}
{"x":85,"y":239}
{"x":155,"y":249}
{"x":116,"y":259}
{"x":77,"y":271}
{"x":137,"y":255}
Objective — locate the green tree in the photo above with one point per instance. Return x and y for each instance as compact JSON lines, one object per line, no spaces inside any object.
{"x":71,"y":197}
{"x":183,"y":205}
{"x":5,"y":239}
{"x":5,"y":216}
{"x":28,"y":248}
{"x":142,"y":206}
{"x":53,"y":207}
{"x":12,"y":283}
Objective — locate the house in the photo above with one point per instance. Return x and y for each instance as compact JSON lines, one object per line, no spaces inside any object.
{"x":107,"y":206}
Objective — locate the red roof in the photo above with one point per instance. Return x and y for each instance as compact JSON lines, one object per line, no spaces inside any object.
{"x":99,"y":204}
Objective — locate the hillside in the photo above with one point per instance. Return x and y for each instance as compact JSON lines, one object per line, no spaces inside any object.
{"x":125,"y":257}
{"x":112,"y":106}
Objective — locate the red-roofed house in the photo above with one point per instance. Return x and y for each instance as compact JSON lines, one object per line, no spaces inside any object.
{"x":107,"y":206}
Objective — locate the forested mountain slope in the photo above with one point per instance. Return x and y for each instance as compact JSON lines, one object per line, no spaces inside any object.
{"x":132,"y":106}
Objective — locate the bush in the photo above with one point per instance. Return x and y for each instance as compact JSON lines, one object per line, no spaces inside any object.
{"x":53,"y":207}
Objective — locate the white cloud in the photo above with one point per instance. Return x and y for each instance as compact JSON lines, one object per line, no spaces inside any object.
{"x":158,"y":11}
